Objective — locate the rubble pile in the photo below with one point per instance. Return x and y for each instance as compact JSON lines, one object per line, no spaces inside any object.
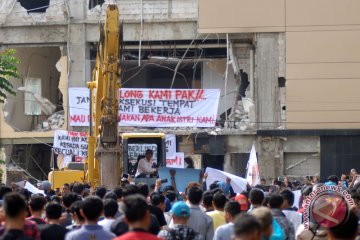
{"x":54,"y":122}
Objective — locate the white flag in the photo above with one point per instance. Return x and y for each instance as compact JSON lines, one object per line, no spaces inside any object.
{"x":252,"y":174}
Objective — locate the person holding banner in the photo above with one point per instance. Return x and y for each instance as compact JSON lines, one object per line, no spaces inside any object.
{"x":144,"y":168}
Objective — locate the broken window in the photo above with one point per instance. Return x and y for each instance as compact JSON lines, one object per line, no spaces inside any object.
{"x":94,"y":3}
{"x":38,"y":6}
{"x":37,"y":105}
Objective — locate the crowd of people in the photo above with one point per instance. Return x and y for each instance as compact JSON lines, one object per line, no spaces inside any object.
{"x":137,"y":211}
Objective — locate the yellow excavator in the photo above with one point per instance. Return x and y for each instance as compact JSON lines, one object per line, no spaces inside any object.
{"x":109,"y":153}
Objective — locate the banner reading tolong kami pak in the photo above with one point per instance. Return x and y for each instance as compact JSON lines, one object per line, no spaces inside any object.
{"x":154,"y":107}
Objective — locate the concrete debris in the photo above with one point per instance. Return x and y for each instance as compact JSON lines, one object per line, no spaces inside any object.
{"x":54,"y":122}
{"x":46,"y":106}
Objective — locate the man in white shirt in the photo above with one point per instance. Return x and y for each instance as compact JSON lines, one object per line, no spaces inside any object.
{"x":224,"y":232}
{"x":110,"y":210}
{"x":290,"y":212}
{"x":144,"y":168}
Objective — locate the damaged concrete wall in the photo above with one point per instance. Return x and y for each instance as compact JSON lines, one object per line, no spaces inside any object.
{"x":6,"y":131}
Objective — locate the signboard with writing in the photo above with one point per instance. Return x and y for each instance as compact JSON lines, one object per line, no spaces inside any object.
{"x":137,"y":149}
{"x":177,"y":161}
{"x":79,"y":101}
{"x":71,"y":143}
{"x":170,"y":146}
{"x":153,"y":107}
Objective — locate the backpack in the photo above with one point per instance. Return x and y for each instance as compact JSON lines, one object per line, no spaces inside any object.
{"x":178,"y":234}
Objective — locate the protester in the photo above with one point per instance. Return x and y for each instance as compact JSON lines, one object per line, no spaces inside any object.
{"x":264,"y":216}
{"x":232,"y":209}
{"x":246,"y":227}
{"x":275,"y":202}
{"x":157,"y":208}
{"x":110,"y":210}
{"x":53,"y":230}
{"x":346,"y":230}
{"x":180,"y":230}
{"x":137,"y":215}
{"x":207,"y":201}
{"x":144,"y":167}
{"x":218,"y":215}
{"x":36,"y":205}
{"x":65,"y":189}
{"x":256,"y":198}
{"x":199,"y":221}
{"x":15,"y":213}
{"x":289,"y":211}
{"x":91,"y":210}
{"x":78,"y":219}
{"x":67,"y":200}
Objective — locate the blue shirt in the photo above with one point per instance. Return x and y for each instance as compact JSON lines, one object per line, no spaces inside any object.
{"x":90,"y":232}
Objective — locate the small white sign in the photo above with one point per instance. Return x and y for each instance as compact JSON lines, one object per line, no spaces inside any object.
{"x":170,"y":146}
{"x":177,"y":162}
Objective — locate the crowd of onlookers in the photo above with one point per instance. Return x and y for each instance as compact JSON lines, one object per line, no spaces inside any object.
{"x":136,"y":211}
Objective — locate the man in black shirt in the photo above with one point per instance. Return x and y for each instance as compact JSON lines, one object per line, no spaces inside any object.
{"x":53,"y":230}
{"x":15,"y":212}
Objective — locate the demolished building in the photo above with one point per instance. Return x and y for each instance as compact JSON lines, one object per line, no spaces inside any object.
{"x":167,"y":44}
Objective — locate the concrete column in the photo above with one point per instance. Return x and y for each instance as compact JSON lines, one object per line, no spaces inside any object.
{"x":266,"y":74}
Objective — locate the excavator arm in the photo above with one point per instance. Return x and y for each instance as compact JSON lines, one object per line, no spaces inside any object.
{"x":103,"y":143}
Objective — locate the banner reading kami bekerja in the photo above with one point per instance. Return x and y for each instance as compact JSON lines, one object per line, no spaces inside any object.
{"x":142,"y":107}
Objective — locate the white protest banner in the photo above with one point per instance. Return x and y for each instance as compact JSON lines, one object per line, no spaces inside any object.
{"x":153,"y":107}
{"x":71,"y":143}
{"x":79,"y":101}
{"x":170,"y":146}
{"x":252,"y":174}
{"x":177,"y":162}
{"x":31,"y":188}
{"x":237,"y":183}
{"x":297,"y":195}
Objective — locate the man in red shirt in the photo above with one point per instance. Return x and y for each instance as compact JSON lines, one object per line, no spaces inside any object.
{"x":137,"y":215}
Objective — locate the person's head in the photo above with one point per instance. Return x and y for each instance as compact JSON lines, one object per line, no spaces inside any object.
{"x":136,"y":211}
{"x":288,"y":197}
{"x":232,"y":209}
{"x":275,"y":200}
{"x":65,"y":188}
{"x":110,"y":195}
{"x":263,"y":214}
{"x":189,"y":162}
{"x":69,"y":198}
{"x":158,"y":200}
{"x":149,"y":154}
{"x":219,"y":201}
{"x":334,"y":179}
{"x":353,"y":172}
{"x":53,"y":211}
{"x":129,"y":189}
{"x":143,"y":189}
{"x":100,"y":192}
{"x":14,"y":207}
{"x":307,"y":180}
{"x":207,"y":200}
{"x":118,"y":191}
{"x":306,"y":191}
{"x":78,"y":188}
{"x":246,"y":227}
{"x":92,"y":208}
{"x":263,"y":182}
{"x":194,"y":195}
{"x":4,"y":190}
{"x":46,"y":186}
{"x":37,"y":203}
{"x":75,"y":211}
{"x":180,"y":212}
{"x":256,"y":197}
{"x":110,"y":208}
{"x":171,"y":195}
{"x":346,"y":230}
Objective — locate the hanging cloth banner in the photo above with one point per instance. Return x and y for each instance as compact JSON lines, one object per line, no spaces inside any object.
{"x":253,"y":175}
{"x":143,"y":107}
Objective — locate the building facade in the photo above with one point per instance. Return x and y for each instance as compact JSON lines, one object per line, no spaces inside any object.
{"x":287,"y":70}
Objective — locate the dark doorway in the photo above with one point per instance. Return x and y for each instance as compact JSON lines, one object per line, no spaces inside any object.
{"x":339,"y":154}
{"x":213,"y":161}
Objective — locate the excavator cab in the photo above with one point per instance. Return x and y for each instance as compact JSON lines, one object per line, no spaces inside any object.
{"x":134,"y":147}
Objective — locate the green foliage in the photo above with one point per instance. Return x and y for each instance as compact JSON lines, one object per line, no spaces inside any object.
{"x":8,"y":70}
